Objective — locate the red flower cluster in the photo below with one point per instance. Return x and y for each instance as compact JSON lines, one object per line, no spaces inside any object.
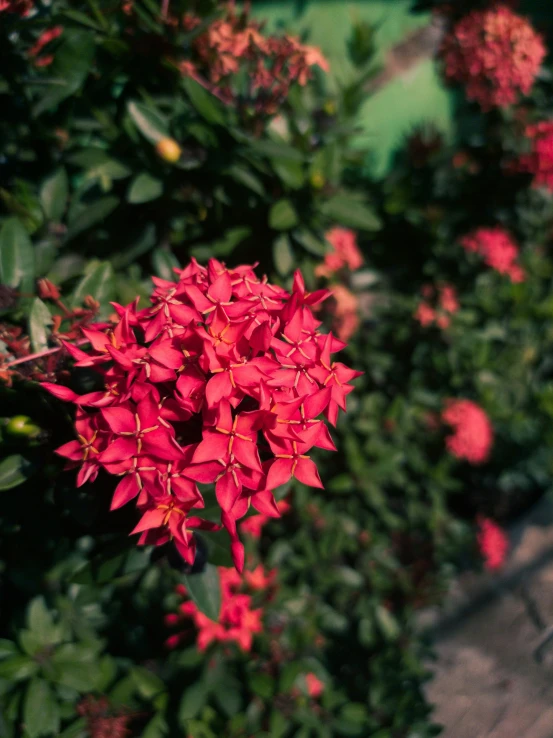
{"x":539,"y":161}
{"x":315,"y":687}
{"x":223,"y":380}
{"x":270,"y":64}
{"x":238,"y":621}
{"x":19,"y":7}
{"x":101,"y":722}
{"x":493,"y":543}
{"x":495,"y":53}
{"x":43,"y":40}
{"x":498,"y":249}
{"x":254,"y":525}
{"x":445,"y":302}
{"x":472,"y":432}
{"x":345,"y":253}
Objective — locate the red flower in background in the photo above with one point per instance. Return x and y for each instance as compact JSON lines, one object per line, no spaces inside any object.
{"x":19,"y":7}
{"x":225,"y":380}
{"x":345,"y":253}
{"x":472,"y":433}
{"x":539,"y":161}
{"x":444,"y":304}
{"x":253,"y":525}
{"x":238,"y":621}
{"x":498,"y":249}
{"x":493,"y":543}
{"x":270,"y":64}
{"x":495,"y":53}
{"x":43,"y":40}
{"x":315,"y":687}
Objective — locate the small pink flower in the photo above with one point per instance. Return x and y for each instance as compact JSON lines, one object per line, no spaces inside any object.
{"x":345,"y":253}
{"x":497,"y":248}
{"x":315,"y":687}
{"x":472,"y":433}
{"x":495,"y":53}
{"x":493,"y":543}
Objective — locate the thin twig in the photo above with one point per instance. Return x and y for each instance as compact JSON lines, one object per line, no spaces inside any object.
{"x":42,"y":354}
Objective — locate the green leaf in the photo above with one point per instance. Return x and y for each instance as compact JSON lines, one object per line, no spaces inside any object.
{"x":17,"y":259}
{"x":39,"y":319}
{"x":70,"y":68}
{"x":7,"y":648}
{"x":218,"y":546}
{"x":310,"y":242}
{"x":290,"y":172}
{"x":283,"y":256}
{"x":144,"y":188}
{"x":156,"y":728}
{"x":78,"y":729}
{"x":205,"y":103}
{"x":163,"y":262}
{"x":262,"y":685}
{"x":77,"y":667}
{"x":205,"y":591}
{"x":387,"y":623}
{"x":283,"y":216}
{"x":87,"y":215}
{"x":98,"y":281}
{"x":40,"y":710}
{"x":349,"y":210}
{"x":53,"y":195}
{"x":247,"y":178}
{"x":18,"y":668}
{"x":14,"y":470}
{"x":41,"y":623}
{"x":192,"y":702}
{"x":275,"y":150}
{"x":148,"y":685}
{"x":149,"y":121}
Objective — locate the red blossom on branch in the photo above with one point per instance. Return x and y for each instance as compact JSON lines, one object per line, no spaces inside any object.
{"x":238,"y":620}
{"x":495,"y":53}
{"x":345,"y":253}
{"x":471,"y":438}
{"x":498,"y":249}
{"x":493,"y":543}
{"x":539,"y":161}
{"x":437,"y":306}
{"x":225,"y":380}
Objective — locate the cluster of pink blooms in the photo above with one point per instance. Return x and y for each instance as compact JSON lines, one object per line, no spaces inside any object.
{"x":495,"y":53}
{"x":345,"y":253}
{"x":254,"y":524}
{"x":19,"y":7}
{"x":234,"y":43}
{"x":238,"y":620}
{"x":344,"y":257}
{"x":498,"y":249}
{"x":493,"y":543}
{"x":437,"y":306}
{"x":471,"y":435}
{"x":539,"y":162}
{"x":43,"y":40}
{"x":224,"y":380}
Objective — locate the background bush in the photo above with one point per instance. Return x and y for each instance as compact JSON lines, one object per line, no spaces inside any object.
{"x":91,"y":203}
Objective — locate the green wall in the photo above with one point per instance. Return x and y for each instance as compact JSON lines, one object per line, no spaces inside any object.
{"x":390,"y":114}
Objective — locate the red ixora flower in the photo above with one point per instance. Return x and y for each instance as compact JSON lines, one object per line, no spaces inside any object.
{"x":493,"y":543}
{"x":437,"y":305}
{"x":472,"y":433}
{"x":43,"y":40}
{"x":238,"y":621}
{"x":539,"y":161}
{"x":227,"y":380}
{"x":495,"y":53}
{"x":345,"y":253}
{"x":498,"y":249}
{"x":19,"y":7}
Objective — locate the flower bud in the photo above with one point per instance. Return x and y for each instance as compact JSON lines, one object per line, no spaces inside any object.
{"x":168,"y":149}
{"x":21,"y":426}
{"x":47,"y":290}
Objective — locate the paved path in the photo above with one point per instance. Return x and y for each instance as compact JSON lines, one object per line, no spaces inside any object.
{"x":494,"y":643}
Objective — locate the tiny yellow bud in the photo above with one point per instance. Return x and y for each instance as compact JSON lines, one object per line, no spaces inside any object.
{"x":168,"y":149}
{"x":317,"y":180}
